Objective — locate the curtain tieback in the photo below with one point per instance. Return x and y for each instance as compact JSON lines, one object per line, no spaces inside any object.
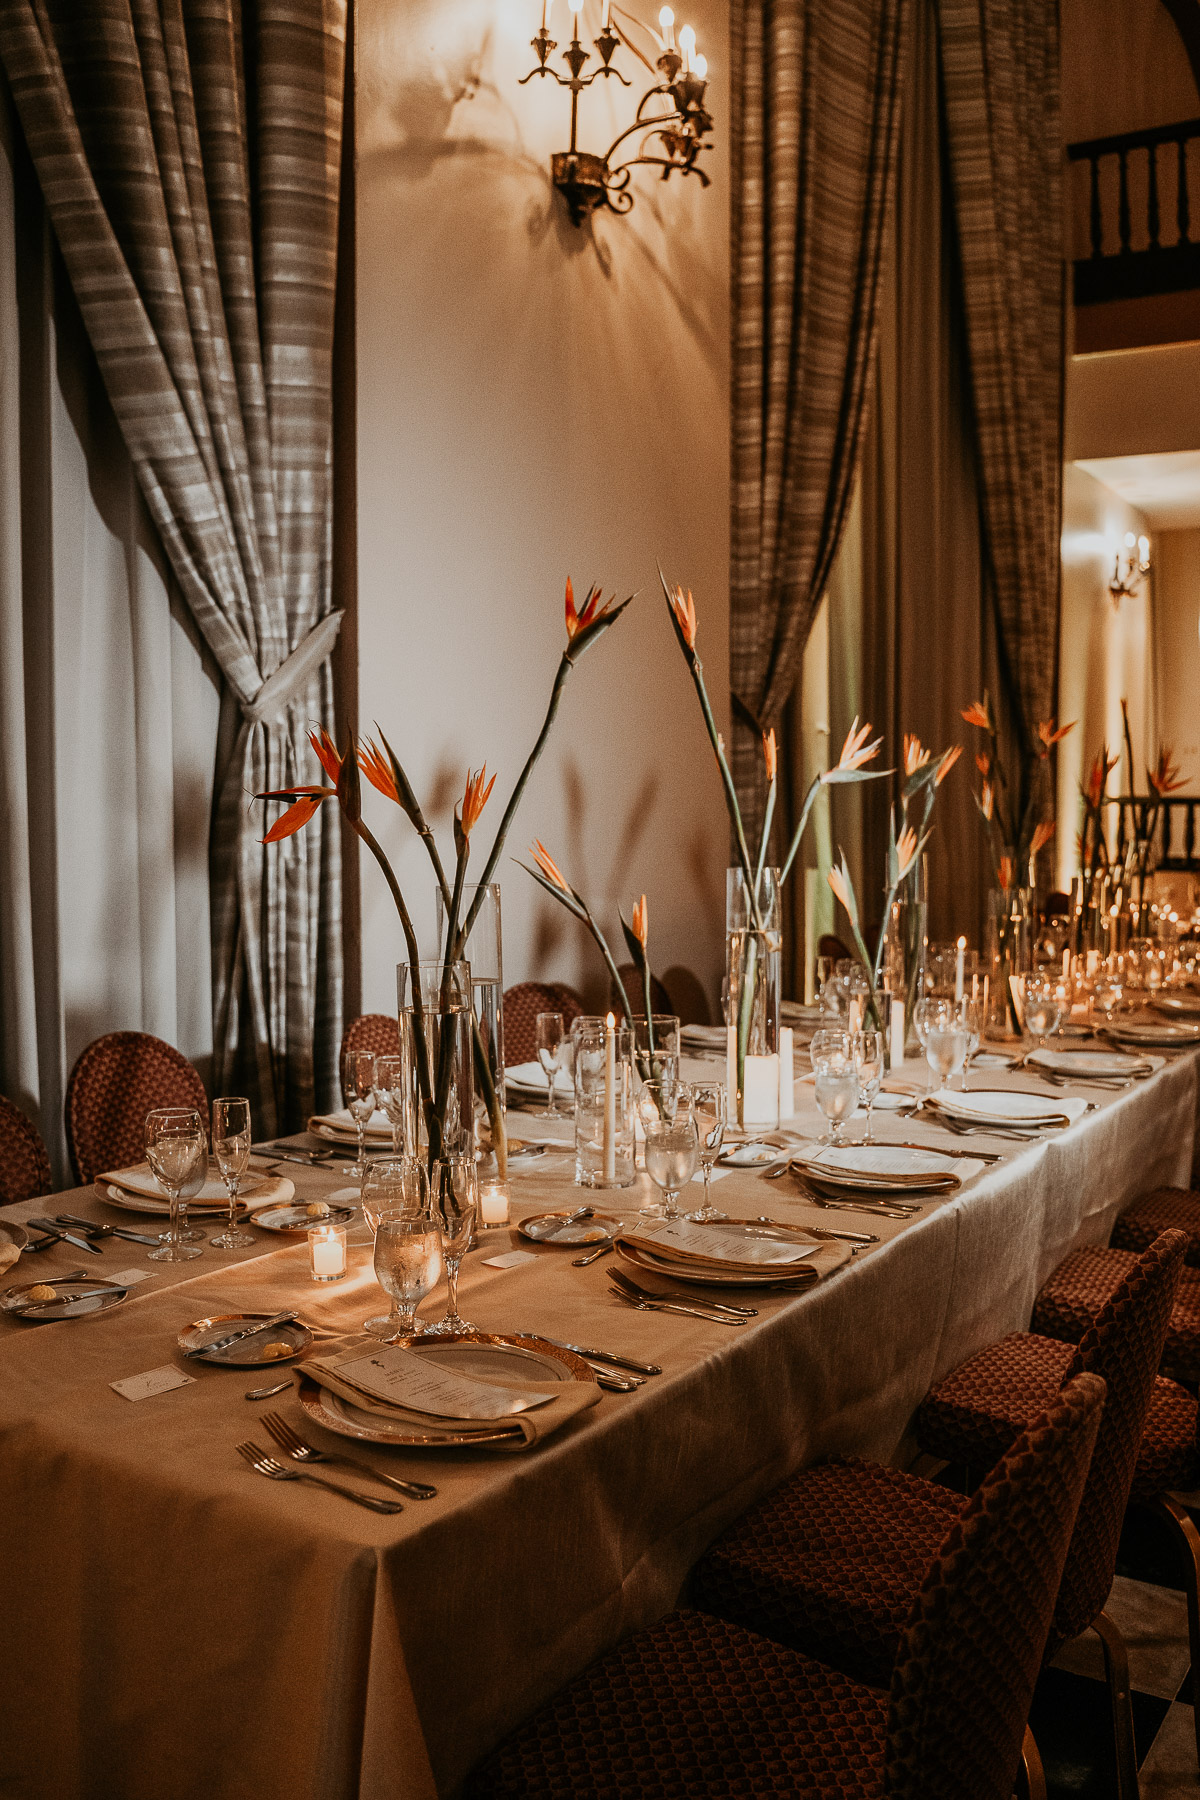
{"x":293,"y":671}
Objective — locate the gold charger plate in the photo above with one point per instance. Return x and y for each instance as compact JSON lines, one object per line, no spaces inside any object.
{"x":347,"y":1420}
{"x":826,"y":1257}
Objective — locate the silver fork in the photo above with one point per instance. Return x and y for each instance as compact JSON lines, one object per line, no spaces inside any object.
{"x":692,"y":1312}
{"x":298,"y":1448}
{"x":722,"y":1306}
{"x":262,"y":1464}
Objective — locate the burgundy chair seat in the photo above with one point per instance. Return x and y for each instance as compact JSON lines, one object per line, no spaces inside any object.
{"x":375,"y":1034}
{"x":24,"y":1164}
{"x":972,"y":1415}
{"x":1164,"y":1209}
{"x":116,"y":1081}
{"x":1168,"y":1461}
{"x":829,"y":1563}
{"x":697,"y":1706}
{"x":1072,"y":1298}
{"x":522,"y":1004}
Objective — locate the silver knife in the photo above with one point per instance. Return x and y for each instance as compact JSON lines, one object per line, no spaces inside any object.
{"x":121,"y":1231}
{"x":234,"y":1337}
{"x":57,"y":1231}
{"x":618,"y":1362}
{"x":69,"y":1299}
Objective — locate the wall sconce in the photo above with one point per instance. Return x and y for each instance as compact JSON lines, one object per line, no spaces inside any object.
{"x":1128,"y":576}
{"x":587,"y":181}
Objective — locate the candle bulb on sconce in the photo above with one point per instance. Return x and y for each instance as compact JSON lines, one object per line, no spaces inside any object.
{"x":687,"y":43}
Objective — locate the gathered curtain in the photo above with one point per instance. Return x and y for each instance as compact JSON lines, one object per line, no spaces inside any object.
{"x":1000,"y":77}
{"x":189,"y":155}
{"x":816,"y":107}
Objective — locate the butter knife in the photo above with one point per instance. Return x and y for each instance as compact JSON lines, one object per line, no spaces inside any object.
{"x":246,"y":1331}
{"x":618,"y":1362}
{"x":57,"y":1231}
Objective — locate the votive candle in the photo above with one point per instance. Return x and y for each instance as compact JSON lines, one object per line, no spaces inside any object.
{"x":327,"y":1252}
{"x":493,"y":1203}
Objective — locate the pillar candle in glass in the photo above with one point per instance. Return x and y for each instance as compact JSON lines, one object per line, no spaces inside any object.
{"x":327,"y":1252}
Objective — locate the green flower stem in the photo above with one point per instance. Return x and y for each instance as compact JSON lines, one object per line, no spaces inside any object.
{"x":731,"y":799}
{"x":424,"y":1081}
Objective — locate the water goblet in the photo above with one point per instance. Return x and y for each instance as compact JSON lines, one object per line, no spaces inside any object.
{"x":710,"y":1107}
{"x":672,"y":1148}
{"x":832,"y":1056}
{"x":945,"y":1039}
{"x":176,"y":1145}
{"x":394,"y":1185}
{"x":358,"y":1085}
{"x":454,"y":1187}
{"x":1043,"y":1008}
{"x":970,"y":1011}
{"x":1108,"y":987}
{"x":193,"y":1186}
{"x":867,"y":1049}
{"x":390,"y":1095}
{"x":231,"y":1149}
{"x":550,"y":1038}
{"x":823,"y":984}
{"x":408,"y":1264}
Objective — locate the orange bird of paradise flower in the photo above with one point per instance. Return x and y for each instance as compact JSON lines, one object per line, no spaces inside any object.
{"x":948,"y":761}
{"x":1042,"y":835}
{"x":906,"y":852}
{"x":855,"y":751}
{"x":548,"y":866}
{"x":685,"y":616}
{"x":306,"y":801}
{"x":1165,"y":777}
{"x":977,"y":714}
{"x":1050,"y":736}
{"x":640,"y":922}
{"x":1101,"y":769}
{"x":770,"y":755}
{"x":579,"y":618}
{"x":378,"y":770}
{"x":915,"y":753}
{"x":475,"y":798}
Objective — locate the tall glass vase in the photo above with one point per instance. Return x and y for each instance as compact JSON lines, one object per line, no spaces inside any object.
{"x":1009,"y":953}
{"x":484,"y":951}
{"x":437,"y":1049}
{"x":753,"y":970}
{"x":907,"y":945}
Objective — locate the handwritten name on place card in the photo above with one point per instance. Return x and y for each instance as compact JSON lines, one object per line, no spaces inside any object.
{"x":154,"y":1381}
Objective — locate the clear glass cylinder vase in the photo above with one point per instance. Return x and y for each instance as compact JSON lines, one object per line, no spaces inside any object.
{"x":905,"y":953}
{"x":437,"y":1048}
{"x":604,"y":1085}
{"x":753,"y":978}
{"x":1009,"y":956}
{"x":483,"y":950}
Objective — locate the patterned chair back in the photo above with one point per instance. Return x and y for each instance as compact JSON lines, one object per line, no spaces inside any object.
{"x":24,"y":1164}
{"x":377,"y":1033}
{"x":116,"y":1081}
{"x":972,"y":1648}
{"x":522,"y":1004}
{"x":1124,"y":1347}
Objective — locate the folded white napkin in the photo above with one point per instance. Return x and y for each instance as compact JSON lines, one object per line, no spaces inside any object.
{"x":531,"y":1075}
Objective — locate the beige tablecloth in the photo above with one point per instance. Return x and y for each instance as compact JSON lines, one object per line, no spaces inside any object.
{"x":171,"y":1624}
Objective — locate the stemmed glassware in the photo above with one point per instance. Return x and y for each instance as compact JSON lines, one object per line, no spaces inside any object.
{"x":869,"y":1067}
{"x":455,"y":1205}
{"x":408,"y":1264}
{"x":358,"y":1085}
{"x":1108,"y":988}
{"x":393,"y":1185}
{"x":192,"y":1187}
{"x":970,"y":1011}
{"x":231,"y":1149}
{"x":551,"y":1041}
{"x":944,"y":1036}
{"x":176,"y":1144}
{"x":710,"y":1106}
{"x":389,"y":1094}
{"x":672,"y":1142}
{"x":1043,"y":1008}
{"x":832,"y":1056}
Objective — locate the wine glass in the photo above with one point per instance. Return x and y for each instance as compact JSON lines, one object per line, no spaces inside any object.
{"x":926,"y":1010}
{"x":358,"y":1085}
{"x":868,"y":1063}
{"x":945,"y":1039}
{"x":550,"y":1037}
{"x":832,"y":1056}
{"x":393,"y":1186}
{"x":1108,"y":988}
{"x":408,"y":1265}
{"x":455,"y":1190}
{"x":710,"y":1108}
{"x":176,"y":1144}
{"x":231,"y":1148}
{"x":970,"y":1011}
{"x":672,"y":1145}
{"x":192,"y":1186}
{"x":1043,"y":1008}
{"x":823,"y":984}
{"x":389,"y":1093}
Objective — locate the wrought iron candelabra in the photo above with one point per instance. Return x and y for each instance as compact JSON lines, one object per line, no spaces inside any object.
{"x":1128,"y":576}
{"x":671,"y":140}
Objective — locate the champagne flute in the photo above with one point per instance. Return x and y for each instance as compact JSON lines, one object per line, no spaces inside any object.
{"x":408,"y":1264}
{"x":389,"y":1092}
{"x":176,"y":1143}
{"x":550,"y":1037}
{"x":970,"y":1011}
{"x":231,"y":1148}
{"x":710,"y":1105}
{"x":455,"y":1188}
{"x":672,"y":1147}
{"x":868,"y":1064}
{"x":358,"y":1085}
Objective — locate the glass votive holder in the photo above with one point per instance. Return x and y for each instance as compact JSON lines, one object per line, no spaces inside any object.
{"x":327,"y":1252}
{"x":493,"y":1202}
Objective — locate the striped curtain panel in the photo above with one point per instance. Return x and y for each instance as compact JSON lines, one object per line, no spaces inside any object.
{"x":189,"y":153}
{"x":816,"y":113}
{"x":1000,"y":79}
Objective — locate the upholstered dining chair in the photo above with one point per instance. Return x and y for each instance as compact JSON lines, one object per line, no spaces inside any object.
{"x":1083,"y":1283}
{"x":696,"y":1705}
{"x":1162,"y":1209}
{"x":829,"y":1562}
{"x":376,"y":1033}
{"x":24,"y":1164}
{"x":522,"y":1004}
{"x":116,"y":1081}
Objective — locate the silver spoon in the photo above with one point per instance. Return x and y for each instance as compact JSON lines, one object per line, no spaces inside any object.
{"x":264,"y":1393}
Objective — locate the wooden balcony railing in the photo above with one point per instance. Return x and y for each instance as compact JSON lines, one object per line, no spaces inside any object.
{"x":1137,"y":197}
{"x":1176,"y":834}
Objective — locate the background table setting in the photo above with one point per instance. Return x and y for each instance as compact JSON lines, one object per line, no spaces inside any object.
{"x":703,"y":1363}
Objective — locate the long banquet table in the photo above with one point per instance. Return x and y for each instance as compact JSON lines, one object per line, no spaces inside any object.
{"x":171,"y":1624}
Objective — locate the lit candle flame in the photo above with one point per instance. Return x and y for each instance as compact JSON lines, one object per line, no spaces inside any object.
{"x":666,"y":19}
{"x":700,"y":66}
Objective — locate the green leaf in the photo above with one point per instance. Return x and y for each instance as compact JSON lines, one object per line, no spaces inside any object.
{"x":408,"y":799}
{"x":571,"y":901}
{"x":634,"y":947}
{"x":836,"y":777}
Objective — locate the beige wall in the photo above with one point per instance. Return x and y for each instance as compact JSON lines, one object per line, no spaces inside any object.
{"x":535,"y":400}
{"x":1177,"y":647}
{"x":1124,"y":68}
{"x":1105,"y":651}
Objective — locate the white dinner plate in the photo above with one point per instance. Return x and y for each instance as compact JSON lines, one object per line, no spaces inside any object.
{"x":752,"y":1155}
{"x":1097,"y":1063}
{"x":101,"y":1296}
{"x":886,"y":1101}
{"x":880,"y":1164}
{"x":1184,"y":1004}
{"x":159,"y":1209}
{"x":1166,"y":1036}
{"x":996,"y":1105}
{"x":824,"y":1259}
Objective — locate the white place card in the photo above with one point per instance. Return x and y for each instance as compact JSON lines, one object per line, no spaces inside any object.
{"x":719,"y":1246}
{"x":406,"y":1378}
{"x":154,"y":1381}
{"x":130,"y":1277}
{"x":509,"y":1259}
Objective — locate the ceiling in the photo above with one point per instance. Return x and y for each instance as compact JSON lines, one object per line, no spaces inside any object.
{"x":1165,"y":485}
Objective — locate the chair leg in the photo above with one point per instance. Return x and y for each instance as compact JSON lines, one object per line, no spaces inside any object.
{"x":1031,"y":1777}
{"x":1116,"y":1669}
{"x":1183,"y":1529}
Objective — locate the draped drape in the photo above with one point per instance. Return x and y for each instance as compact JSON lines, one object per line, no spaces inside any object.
{"x":816,"y":93}
{"x":189,"y":155}
{"x":1000,"y":74}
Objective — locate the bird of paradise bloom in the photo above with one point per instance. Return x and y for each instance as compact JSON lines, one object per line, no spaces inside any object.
{"x":906,"y":852}
{"x":915,"y":754}
{"x":1166,"y":777}
{"x":685,"y":615}
{"x":855,"y":751}
{"x":306,"y":801}
{"x":977,"y":714}
{"x":378,"y":770}
{"x":475,"y":798}
{"x":1042,"y":835}
{"x":549,"y":867}
{"x":770,"y":753}
{"x":1050,"y":736}
{"x":578,"y":619}
{"x":640,"y":921}
{"x":948,"y":761}
{"x":1101,"y":769}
